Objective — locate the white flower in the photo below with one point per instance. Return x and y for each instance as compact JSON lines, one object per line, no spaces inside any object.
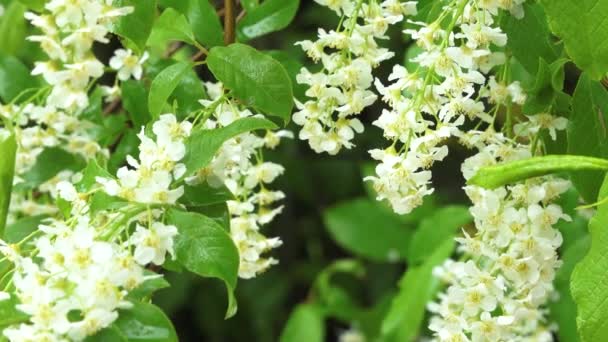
{"x":128,"y":64}
{"x":152,"y":245}
{"x":67,"y":191}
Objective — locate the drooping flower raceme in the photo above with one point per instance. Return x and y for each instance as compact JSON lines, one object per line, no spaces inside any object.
{"x":239,"y":166}
{"x":149,"y":179}
{"x":68,"y":31}
{"x":71,"y":276}
{"x":340,"y":91}
{"x":499,"y":291}
{"x":430,"y":104}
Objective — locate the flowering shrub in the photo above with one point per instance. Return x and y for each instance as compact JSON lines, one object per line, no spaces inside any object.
{"x":146,"y":144}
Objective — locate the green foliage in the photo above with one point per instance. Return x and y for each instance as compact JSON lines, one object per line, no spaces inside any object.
{"x":335,"y":300}
{"x":254,"y":78}
{"x":529,"y":38}
{"x":203,"y":144}
{"x":589,"y":284}
{"x":135,"y":102}
{"x":365,"y":228}
{"x":17,"y":231}
{"x":205,"y":248}
{"x":14,"y":78}
{"x":203,"y":20}
{"x":494,"y":176}
{"x":144,"y":291}
{"x":563,"y":311}
{"x":9,"y":314}
{"x":270,"y":16}
{"x":48,"y":164}
{"x":582,"y":27}
{"x":416,"y":289}
{"x":436,"y":229}
{"x":89,"y":175}
{"x":171,"y":26}
{"x":546,"y":92}
{"x":12,"y":30}
{"x":8,"y":149}
{"x":249,"y":5}
{"x":587,"y":133}
{"x":36,"y":5}
{"x":135,"y":28}
{"x":203,"y":194}
{"x":143,"y":322}
{"x":305,"y":324}
{"x":163,"y":86}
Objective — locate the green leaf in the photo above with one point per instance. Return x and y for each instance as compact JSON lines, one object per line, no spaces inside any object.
{"x":187,"y":94}
{"x":587,"y":132}
{"x":8,"y":148}
{"x":293,"y":66}
{"x":205,"y":248}
{"x":305,"y":324}
{"x":94,"y":111}
{"x":134,"y":101}
{"x":146,"y":323}
{"x":136,"y":27}
{"x":128,"y":145}
{"x":492,"y":177}
{"x":17,"y":231}
{"x":109,"y":334}
{"x":48,"y":164}
{"x":203,"y":194}
{"x":529,"y":38}
{"x":416,"y":289}
{"x":217,"y":212}
{"x":589,"y":283}
{"x":89,"y":175}
{"x":254,"y":78}
{"x":582,"y":27}
{"x":163,"y":86}
{"x":12,"y":30}
{"x":363,"y":227}
{"x":563,"y":311}
{"x":36,"y":5}
{"x":203,"y":144}
{"x":171,"y":26}
{"x":144,"y":291}
{"x":249,"y":5}
{"x":205,"y":23}
{"x":14,"y":78}
{"x":546,"y":92}
{"x":9,"y":314}
{"x":270,"y":16}
{"x":336,"y":300}
{"x":434,"y":230}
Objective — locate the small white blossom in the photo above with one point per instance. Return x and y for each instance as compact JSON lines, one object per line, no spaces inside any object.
{"x":127,"y":64}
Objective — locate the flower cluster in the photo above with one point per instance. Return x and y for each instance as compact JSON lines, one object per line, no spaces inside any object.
{"x":340,"y":91}
{"x":498,"y":292}
{"x":239,"y":166}
{"x":431,"y":103}
{"x":71,"y":276}
{"x":69,"y":30}
{"x":149,"y":179}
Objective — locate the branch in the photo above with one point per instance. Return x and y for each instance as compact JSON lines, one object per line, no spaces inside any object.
{"x":229,"y":21}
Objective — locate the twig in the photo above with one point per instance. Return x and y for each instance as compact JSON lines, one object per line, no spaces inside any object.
{"x":199,"y":54}
{"x":229,"y":21}
{"x":112,"y":106}
{"x":241,"y":15}
{"x":173,"y":49}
